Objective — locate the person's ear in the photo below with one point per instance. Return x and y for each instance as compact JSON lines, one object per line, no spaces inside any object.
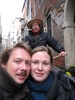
{"x":3,"y":65}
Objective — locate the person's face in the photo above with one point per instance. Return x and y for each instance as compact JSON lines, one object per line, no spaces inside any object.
{"x":18,"y":65}
{"x":41,"y":66}
{"x":35,"y":27}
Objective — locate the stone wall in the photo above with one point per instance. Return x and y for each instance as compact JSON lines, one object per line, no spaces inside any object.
{"x":57,"y":16}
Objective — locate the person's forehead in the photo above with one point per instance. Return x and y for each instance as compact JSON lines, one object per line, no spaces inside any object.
{"x":35,"y":23}
{"x":20,"y":53}
{"x":19,"y":50}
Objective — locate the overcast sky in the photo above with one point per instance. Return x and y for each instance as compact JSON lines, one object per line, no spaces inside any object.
{"x":9,"y":9}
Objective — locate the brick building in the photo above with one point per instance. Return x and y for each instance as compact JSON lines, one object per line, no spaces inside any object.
{"x":59,"y":20}
{"x":0,"y":35}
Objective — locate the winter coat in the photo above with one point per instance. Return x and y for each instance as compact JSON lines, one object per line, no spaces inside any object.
{"x":68,"y":82}
{"x":56,"y":91}
{"x":43,"y":39}
{"x":59,"y":90}
{"x":10,"y":90}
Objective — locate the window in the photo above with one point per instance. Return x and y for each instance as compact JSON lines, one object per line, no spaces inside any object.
{"x":39,"y":2}
{"x":34,"y":7}
{"x":49,"y":24}
{"x":74,"y":17}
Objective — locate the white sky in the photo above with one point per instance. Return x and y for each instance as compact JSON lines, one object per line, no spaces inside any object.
{"x":9,"y":9}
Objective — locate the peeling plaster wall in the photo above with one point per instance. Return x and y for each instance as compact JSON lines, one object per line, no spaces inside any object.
{"x":57,"y":16}
{"x":69,"y":32}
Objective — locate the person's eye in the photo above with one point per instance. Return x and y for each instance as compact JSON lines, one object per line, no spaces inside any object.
{"x":34,"y":62}
{"x":28,"y":63}
{"x":16,"y":61}
{"x":45,"y":63}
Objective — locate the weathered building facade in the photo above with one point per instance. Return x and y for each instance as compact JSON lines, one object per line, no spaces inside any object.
{"x":0,"y":35}
{"x":59,"y":20}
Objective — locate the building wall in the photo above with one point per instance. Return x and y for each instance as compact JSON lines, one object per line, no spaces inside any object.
{"x":56,"y":10}
{"x":0,"y":26}
{"x":69,"y":32}
{"x":62,"y":14}
{"x":0,"y":35}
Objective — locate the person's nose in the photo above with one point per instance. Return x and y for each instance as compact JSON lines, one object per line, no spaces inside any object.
{"x":24,"y":67}
{"x":40,"y":66}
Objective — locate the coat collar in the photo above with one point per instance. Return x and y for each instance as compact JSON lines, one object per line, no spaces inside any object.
{"x":7,"y":83}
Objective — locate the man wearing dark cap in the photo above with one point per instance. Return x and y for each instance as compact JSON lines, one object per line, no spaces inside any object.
{"x":37,"y":37}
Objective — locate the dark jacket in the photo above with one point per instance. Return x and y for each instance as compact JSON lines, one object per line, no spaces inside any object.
{"x":68,"y":82}
{"x":56,"y":91}
{"x":61,"y":90}
{"x":10,"y":90}
{"x":43,"y":39}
